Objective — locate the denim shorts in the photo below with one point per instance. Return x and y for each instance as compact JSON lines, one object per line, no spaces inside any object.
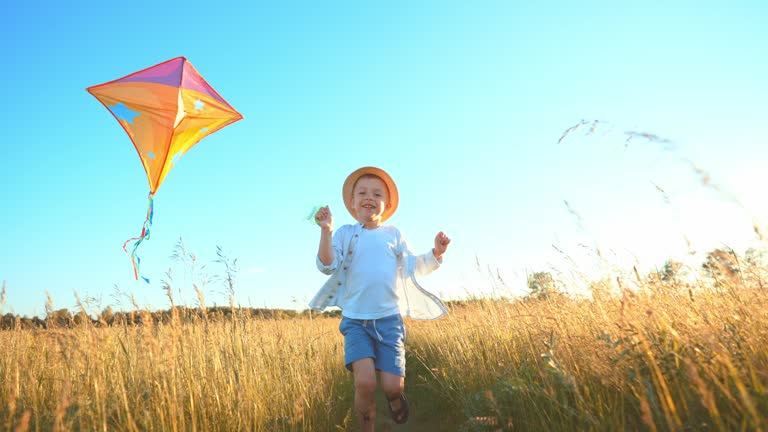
{"x":381,"y":339}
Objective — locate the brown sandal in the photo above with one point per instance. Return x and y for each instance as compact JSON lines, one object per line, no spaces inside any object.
{"x":401,"y":415}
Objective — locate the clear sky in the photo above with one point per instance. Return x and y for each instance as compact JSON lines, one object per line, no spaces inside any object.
{"x":463,"y":103}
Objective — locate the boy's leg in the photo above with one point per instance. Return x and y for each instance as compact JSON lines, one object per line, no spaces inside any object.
{"x":393,"y":386}
{"x":364,"y":373}
{"x":358,"y":358}
{"x":390,"y":361}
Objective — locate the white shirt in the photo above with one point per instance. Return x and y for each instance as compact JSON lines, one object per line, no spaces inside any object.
{"x":412,"y":300}
{"x":372,"y":276}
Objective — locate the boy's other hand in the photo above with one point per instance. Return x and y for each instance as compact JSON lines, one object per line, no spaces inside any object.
{"x":324,"y":218}
{"x":441,"y":244}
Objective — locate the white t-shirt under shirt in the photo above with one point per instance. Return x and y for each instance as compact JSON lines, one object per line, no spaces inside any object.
{"x":372,"y":276}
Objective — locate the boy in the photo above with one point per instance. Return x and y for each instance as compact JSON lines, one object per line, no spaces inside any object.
{"x":373,"y":281}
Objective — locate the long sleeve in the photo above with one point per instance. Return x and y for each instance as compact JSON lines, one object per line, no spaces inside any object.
{"x":421,"y":265}
{"x":337,"y":245}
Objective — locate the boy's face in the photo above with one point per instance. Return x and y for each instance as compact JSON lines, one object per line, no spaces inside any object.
{"x":370,"y":198}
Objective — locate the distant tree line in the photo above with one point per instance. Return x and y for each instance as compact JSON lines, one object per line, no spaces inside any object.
{"x":63,"y":318}
{"x":721,"y":267}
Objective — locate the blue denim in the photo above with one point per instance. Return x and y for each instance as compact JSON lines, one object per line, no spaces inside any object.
{"x":381,"y":339}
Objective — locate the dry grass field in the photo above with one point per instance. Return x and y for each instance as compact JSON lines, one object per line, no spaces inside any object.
{"x":662,"y":356}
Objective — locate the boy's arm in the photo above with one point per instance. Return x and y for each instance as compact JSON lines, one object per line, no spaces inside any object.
{"x":324,"y":219}
{"x":325,"y":249}
{"x":426,"y":263}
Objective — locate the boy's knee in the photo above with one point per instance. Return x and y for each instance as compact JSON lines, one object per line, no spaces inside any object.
{"x":393,"y":389}
{"x":365,"y":385}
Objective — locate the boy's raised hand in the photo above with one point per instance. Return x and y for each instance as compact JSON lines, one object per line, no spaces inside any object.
{"x":324,"y":218}
{"x":441,"y":244}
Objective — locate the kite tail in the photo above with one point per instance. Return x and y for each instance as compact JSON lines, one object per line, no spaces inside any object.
{"x":135,"y":260}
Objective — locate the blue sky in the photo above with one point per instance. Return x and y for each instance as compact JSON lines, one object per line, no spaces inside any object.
{"x":462,"y":102}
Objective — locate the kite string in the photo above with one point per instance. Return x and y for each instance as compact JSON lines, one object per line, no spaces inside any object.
{"x":135,"y":260}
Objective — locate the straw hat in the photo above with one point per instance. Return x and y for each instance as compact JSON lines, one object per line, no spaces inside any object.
{"x":349,"y":183}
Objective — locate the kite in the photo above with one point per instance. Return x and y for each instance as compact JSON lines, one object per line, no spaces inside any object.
{"x":165,"y":109}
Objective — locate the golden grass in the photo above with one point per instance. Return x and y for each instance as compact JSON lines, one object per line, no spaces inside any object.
{"x":251,"y":375}
{"x":664,"y":357}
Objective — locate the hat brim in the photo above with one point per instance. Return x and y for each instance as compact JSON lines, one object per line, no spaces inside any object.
{"x":349,"y":183}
